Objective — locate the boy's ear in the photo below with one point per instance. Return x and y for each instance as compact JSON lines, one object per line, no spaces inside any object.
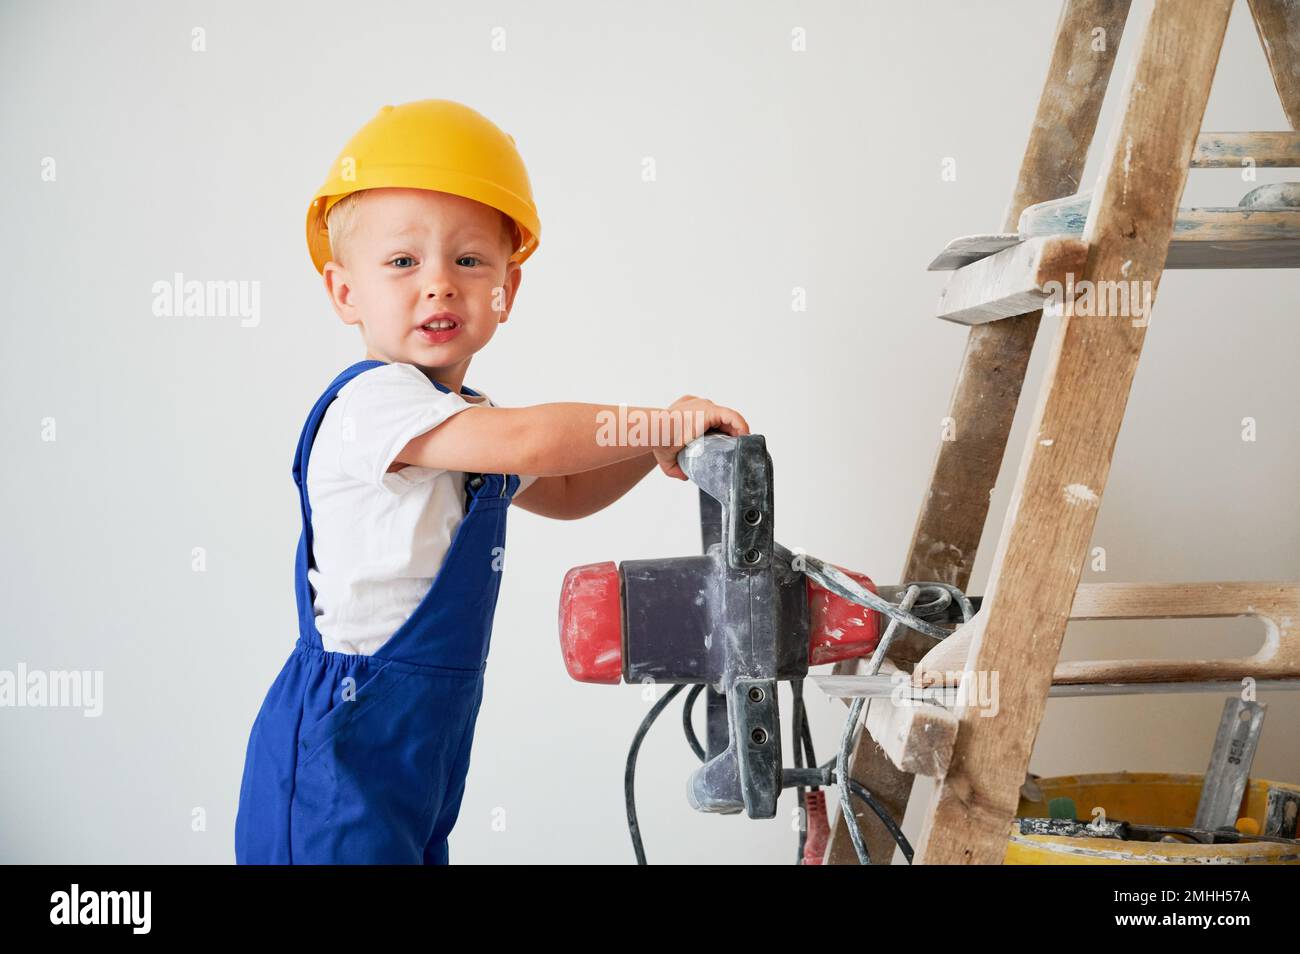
{"x":338,"y":286}
{"x":510,"y":288}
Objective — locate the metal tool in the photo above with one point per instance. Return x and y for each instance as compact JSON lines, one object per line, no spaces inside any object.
{"x":1230,"y":761}
{"x":739,"y":619}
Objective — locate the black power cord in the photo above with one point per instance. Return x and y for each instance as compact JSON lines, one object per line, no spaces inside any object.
{"x":799,"y":776}
{"x":688,"y":726}
{"x":629,"y":774}
{"x":826,"y":775}
{"x":802,"y":747}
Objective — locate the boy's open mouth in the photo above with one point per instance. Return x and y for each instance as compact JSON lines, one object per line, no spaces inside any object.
{"x":442,"y":320}
{"x":440,"y":327}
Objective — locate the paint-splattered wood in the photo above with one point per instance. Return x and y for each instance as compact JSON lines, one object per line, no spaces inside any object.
{"x":917,"y":727}
{"x":1256,"y":222}
{"x":918,"y":738}
{"x":882,"y":688}
{"x":1277,"y":605}
{"x":1013,"y":281}
{"x":992,"y":372}
{"x":1066,"y":461}
{"x":966,"y":249}
{"x":1274,"y":195}
{"x":1278,"y":24}
{"x":1236,"y":150}
{"x":1234,"y":241}
{"x":1228,"y":237}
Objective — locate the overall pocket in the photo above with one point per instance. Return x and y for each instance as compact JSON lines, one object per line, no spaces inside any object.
{"x":345,"y":712}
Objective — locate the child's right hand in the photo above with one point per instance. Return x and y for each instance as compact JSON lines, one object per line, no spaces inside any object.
{"x":697,"y":416}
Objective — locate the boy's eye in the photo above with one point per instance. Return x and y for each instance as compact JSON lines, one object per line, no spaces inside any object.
{"x":468,"y":258}
{"x":402,"y":258}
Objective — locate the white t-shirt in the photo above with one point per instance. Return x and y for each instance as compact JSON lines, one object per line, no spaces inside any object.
{"x":379,"y":538}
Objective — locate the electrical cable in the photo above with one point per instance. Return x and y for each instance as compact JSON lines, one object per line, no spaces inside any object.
{"x":629,"y":774}
{"x":855,"y":712}
{"x":826,"y":775}
{"x":688,"y":726}
{"x":797,"y":718}
{"x":885,"y":818}
{"x":832,"y":579}
{"x":807,"y":740}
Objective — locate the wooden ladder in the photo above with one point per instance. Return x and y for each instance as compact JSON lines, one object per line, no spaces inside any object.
{"x":1033,"y":590}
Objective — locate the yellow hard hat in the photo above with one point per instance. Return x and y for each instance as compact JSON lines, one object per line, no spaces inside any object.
{"x":432,"y":144}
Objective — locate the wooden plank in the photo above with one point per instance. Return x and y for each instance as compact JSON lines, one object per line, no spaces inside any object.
{"x":920,"y":738}
{"x":965,"y":249}
{"x":880,"y":688}
{"x":1235,"y":223}
{"x":1277,"y":605}
{"x":1278,"y":24}
{"x":1013,"y":281}
{"x":987,"y":390}
{"x":1278,"y":248}
{"x":917,"y":738}
{"x":1231,"y":150}
{"x":1066,"y":461}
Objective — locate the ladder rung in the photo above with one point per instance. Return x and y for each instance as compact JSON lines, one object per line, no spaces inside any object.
{"x":1231,"y":150}
{"x":1013,"y":281}
{"x":883,"y":687}
{"x":1272,"y":240}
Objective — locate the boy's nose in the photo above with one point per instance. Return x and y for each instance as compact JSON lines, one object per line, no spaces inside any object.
{"x":440,"y":287}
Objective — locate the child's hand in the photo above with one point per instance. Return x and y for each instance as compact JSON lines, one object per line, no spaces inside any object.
{"x":697,"y":417}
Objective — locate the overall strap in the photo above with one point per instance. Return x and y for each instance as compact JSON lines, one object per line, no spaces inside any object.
{"x":306,"y":605}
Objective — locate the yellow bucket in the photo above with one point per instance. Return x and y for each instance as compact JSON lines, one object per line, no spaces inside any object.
{"x":1144,"y":798}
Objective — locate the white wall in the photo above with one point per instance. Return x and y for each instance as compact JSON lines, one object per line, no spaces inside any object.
{"x":776,"y":170}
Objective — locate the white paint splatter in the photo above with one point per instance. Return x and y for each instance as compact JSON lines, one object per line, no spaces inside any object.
{"x":1123,"y":269}
{"x":1076,"y":494}
{"x":1047,"y":442}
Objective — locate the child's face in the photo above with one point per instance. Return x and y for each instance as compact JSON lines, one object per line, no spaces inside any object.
{"x":413,"y":254}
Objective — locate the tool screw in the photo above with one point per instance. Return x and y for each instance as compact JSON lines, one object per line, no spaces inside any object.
{"x":753,"y":517}
{"x":752,"y":555}
{"x":759,"y":735}
{"x":756,"y":694}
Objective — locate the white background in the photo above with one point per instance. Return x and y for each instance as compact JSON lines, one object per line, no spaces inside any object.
{"x":776,"y":170}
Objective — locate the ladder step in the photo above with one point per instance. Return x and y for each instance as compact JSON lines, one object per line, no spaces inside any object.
{"x":1210,"y":238}
{"x":917,"y":728}
{"x":1235,"y":223}
{"x":1236,"y":150}
{"x":1013,"y":281}
{"x":884,"y":687}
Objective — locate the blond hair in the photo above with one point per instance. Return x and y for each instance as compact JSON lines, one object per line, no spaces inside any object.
{"x":342,"y":219}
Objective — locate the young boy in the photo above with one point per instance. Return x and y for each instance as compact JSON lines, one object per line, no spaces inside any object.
{"x":405,"y":475}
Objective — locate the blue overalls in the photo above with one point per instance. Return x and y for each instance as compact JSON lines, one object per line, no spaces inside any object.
{"x":362,"y":759}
